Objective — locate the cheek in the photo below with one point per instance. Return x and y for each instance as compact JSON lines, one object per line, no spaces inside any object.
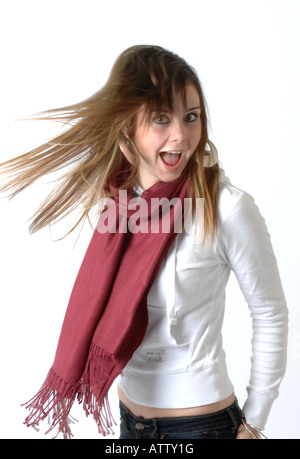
{"x":148,"y":144}
{"x":142,"y":140}
{"x":195,"y":137}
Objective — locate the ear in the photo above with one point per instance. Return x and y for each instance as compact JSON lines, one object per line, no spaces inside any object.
{"x":125,"y":146}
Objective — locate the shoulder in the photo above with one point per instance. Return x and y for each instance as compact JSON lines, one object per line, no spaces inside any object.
{"x":240,"y":223}
{"x":233,"y":201}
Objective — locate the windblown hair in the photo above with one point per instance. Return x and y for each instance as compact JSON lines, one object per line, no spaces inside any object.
{"x":89,"y":150}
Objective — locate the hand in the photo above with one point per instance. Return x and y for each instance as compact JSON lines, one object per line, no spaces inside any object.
{"x":242,"y":433}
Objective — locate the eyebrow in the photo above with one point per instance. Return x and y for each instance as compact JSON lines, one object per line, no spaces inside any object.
{"x":193,"y":108}
{"x":166,"y":110}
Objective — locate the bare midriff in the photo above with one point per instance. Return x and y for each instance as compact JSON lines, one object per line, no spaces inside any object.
{"x":148,"y":412}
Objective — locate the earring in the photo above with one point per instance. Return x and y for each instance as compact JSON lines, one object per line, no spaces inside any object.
{"x":126,"y":149}
{"x":128,"y":145}
{"x":210,"y":155}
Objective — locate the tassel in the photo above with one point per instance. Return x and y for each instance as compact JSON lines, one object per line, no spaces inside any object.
{"x":54,"y":400}
{"x":101,"y":413}
{"x":100,"y":372}
{"x":56,"y":397}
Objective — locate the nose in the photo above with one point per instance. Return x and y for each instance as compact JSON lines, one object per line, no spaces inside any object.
{"x":178,"y":132}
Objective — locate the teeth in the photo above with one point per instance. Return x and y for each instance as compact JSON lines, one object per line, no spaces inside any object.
{"x":173,"y":152}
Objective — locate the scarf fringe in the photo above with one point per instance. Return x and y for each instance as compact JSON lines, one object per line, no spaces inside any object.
{"x":56,"y":397}
{"x":53,"y":401}
{"x":95,"y":385}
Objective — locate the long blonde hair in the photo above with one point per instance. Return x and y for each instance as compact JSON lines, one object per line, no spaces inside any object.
{"x":90,"y":148}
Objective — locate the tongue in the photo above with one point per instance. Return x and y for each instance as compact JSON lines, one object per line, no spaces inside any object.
{"x":170,"y":159}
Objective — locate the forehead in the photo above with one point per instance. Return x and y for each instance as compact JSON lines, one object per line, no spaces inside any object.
{"x":182,"y":99}
{"x":188,"y":97}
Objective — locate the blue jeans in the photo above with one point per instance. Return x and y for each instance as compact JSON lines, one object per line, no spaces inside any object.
{"x":220,"y":425}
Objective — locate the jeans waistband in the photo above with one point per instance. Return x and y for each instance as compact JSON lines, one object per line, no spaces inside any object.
{"x":231,"y":414}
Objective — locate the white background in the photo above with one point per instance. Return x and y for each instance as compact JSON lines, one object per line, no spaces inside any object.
{"x":58,"y":52}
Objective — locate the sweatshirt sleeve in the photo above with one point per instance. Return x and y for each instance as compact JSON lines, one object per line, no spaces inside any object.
{"x":249,"y":253}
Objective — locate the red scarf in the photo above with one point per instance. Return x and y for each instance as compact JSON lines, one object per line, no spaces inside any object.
{"x":106,"y":318}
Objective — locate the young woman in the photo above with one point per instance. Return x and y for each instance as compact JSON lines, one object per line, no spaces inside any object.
{"x":148,"y":305}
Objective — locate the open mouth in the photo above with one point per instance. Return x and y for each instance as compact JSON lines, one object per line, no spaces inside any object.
{"x":170,"y":158}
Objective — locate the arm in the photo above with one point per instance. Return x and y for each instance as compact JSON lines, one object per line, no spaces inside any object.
{"x":248,"y":250}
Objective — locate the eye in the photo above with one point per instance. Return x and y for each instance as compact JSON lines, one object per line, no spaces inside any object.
{"x":191,"y":117}
{"x":161,"y":119}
